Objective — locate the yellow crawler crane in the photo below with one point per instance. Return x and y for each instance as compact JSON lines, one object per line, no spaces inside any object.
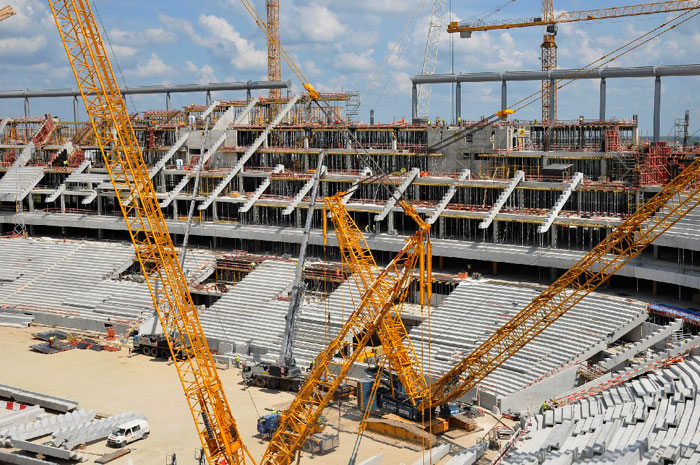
{"x":333,"y":364}
{"x":159,"y":262}
{"x":391,"y":332}
{"x":146,"y":225}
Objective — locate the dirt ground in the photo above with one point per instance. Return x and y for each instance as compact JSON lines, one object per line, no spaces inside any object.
{"x":115,"y":382}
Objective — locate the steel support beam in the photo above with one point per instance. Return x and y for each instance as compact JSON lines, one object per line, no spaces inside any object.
{"x":458,"y":101}
{"x":557,"y":74}
{"x":603,"y":98}
{"x":504,"y":95}
{"x":657,"y":109}
{"x":75,"y":108}
{"x":157,"y":89}
{"x":414,"y":102}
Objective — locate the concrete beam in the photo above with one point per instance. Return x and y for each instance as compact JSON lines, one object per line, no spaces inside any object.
{"x":519,"y":176}
{"x":413,"y":174}
{"x":260,"y":190}
{"x":304,"y":190}
{"x":36,"y":398}
{"x":16,"y":459}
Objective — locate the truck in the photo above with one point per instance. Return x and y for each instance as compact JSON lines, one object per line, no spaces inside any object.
{"x":273,"y":376}
{"x":154,"y":345}
{"x":317,"y":443}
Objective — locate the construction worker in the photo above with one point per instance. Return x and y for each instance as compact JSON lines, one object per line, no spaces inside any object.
{"x":51,"y":339}
{"x":459,"y":121}
{"x":238,"y":361}
{"x":367,"y":228}
{"x":403,"y":170}
{"x":544,"y":407}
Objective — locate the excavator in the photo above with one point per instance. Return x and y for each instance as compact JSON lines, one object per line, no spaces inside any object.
{"x":156,"y":254}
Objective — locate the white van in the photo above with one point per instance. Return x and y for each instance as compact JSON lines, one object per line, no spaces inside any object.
{"x":128,"y":432}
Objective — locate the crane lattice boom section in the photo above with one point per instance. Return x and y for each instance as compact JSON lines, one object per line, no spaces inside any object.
{"x":626,"y":242}
{"x":6,"y":12}
{"x":274,"y":62}
{"x":149,"y":234}
{"x":392,"y":333}
{"x":584,"y":15}
{"x":432,"y":45}
{"x":333,"y":364}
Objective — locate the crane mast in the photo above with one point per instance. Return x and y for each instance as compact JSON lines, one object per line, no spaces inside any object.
{"x":432,"y":45}
{"x":147,"y":229}
{"x":287,"y":350}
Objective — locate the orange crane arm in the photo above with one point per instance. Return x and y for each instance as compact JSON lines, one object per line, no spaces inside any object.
{"x":6,"y":12}
{"x":146,"y":225}
{"x":333,"y":364}
{"x":392,"y":333}
{"x":626,"y":242}
{"x":575,"y":16}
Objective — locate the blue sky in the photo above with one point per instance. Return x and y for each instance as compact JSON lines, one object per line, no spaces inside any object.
{"x":342,"y":45}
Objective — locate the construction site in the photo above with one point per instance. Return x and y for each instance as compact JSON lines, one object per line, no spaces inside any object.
{"x":270,"y":278}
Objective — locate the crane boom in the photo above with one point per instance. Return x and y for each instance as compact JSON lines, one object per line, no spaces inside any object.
{"x":287,"y":350}
{"x":333,"y":364}
{"x":432,"y":46}
{"x":575,"y":16}
{"x":391,"y":332}
{"x":625,"y":242}
{"x":6,"y":12}
{"x":144,"y":219}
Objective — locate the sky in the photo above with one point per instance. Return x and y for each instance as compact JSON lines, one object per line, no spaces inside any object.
{"x":369,"y":46}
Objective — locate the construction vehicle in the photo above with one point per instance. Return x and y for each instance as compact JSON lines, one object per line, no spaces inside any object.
{"x":155,"y":345}
{"x":273,"y":376}
{"x":284,"y":374}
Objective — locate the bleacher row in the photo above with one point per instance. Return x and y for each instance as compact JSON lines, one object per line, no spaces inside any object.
{"x":251,"y":315}
{"x":76,"y":279}
{"x":476,"y":308}
{"x":652,"y":419}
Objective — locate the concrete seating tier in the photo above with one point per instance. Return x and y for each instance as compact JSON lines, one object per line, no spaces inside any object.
{"x":653,"y":419}
{"x":77,"y":279}
{"x":476,"y":308}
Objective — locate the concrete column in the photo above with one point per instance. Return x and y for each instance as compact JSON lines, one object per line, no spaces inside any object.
{"x":494,"y":266}
{"x":458,"y":101}
{"x":214,"y":212}
{"x":495,"y":232}
{"x":167,"y":101}
{"x":603,"y":167}
{"x":30,"y":201}
{"x":504,"y":95}
{"x":63,"y":203}
{"x":603,"y":98}
{"x":161,"y":182}
{"x":390,"y":222}
{"x":553,"y":232}
{"x":656,"y":251}
{"x":552,"y":274}
{"x":175,"y":215}
{"x":26,"y":107}
{"x":208,"y":98}
{"x":75,"y":108}
{"x":441,"y":220}
{"x":98,"y":199}
{"x":657,"y":109}
{"x":414,"y":101}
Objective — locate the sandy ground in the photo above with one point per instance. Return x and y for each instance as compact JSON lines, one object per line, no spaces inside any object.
{"x":115,"y":382}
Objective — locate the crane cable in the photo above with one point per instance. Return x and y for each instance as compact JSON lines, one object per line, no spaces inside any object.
{"x":576,"y":75}
{"x":396,"y":51}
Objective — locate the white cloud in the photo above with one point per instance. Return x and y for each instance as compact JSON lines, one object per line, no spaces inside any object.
{"x":153,"y":35}
{"x":203,"y":74}
{"x":355,"y":62}
{"x":152,"y":67}
{"x":384,"y":6}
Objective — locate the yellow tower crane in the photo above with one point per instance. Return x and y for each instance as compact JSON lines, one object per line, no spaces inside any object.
{"x":6,"y":12}
{"x":548,"y":47}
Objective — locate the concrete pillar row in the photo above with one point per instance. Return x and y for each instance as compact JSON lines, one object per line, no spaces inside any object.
{"x":603,"y":98}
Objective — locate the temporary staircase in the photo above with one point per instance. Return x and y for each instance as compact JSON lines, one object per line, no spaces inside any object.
{"x":448,"y":196}
{"x":260,"y":190}
{"x":486,"y":222}
{"x":554,"y":212}
{"x":413,"y":174}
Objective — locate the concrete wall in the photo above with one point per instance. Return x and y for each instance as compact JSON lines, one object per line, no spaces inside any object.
{"x":531,"y":398}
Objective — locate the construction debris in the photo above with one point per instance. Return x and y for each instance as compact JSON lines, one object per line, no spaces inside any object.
{"x":113,"y":455}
